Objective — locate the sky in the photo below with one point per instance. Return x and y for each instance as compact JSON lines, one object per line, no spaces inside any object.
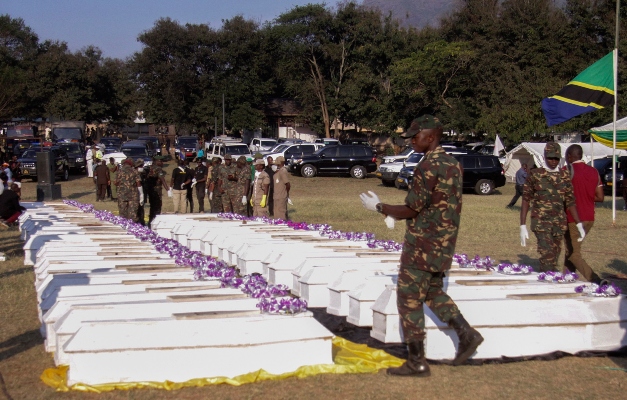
{"x":113,"y":25}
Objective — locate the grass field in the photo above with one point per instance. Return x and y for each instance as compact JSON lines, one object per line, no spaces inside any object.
{"x":488,"y":228}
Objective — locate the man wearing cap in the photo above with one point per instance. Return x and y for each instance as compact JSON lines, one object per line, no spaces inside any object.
{"x":179,"y":181}
{"x":130,"y":191}
{"x":143,"y":174}
{"x":226,"y":184}
{"x":270,"y":168}
{"x":215,"y":197}
{"x":241,"y":187}
{"x":102,"y":178}
{"x":282,"y":187}
{"x":200,"y":175}
{"x":261,"y":186}
{"x":155,"y":182}
{"x":547,"y":192}
{"x":432,"y":212}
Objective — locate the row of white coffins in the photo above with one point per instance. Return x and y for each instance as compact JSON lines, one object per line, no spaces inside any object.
{"x":518,"y":315}
{"x":116,"y":310}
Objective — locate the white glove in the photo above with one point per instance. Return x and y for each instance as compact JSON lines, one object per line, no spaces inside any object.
{"x":289,"y":201}
{"x":210,"y":196}
{"x":369,"y":200}
{"x":524,"y":235}
{"x":582,"y":232}
{"x":170,"y":194}
{"x":243,"y":200}
{"x":389,"y":221}
{"x":206,"y":191}
{"x":182,"y":186}
{"x":193,"y":182}
{"x":141,"y":195}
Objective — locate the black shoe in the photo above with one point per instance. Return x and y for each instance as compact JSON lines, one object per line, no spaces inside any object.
{"x":469,"y":339}
{"x":508,"y":206}
{"x":416,"y":364}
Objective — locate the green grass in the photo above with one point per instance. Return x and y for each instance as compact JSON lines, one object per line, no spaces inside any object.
{"x":487,"y":228}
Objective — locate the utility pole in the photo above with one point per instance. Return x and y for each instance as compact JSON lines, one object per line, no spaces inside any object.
{"x":223,"y":125}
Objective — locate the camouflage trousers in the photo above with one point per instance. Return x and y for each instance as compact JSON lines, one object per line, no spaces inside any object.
{"x":232,"y":203}
{"x":216,"y":202}
{"x":415,"y":288}
{"x":128,"y":209}
{"x":549,"y":247}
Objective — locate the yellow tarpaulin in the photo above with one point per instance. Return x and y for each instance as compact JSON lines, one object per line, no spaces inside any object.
{"x":348,"y":357}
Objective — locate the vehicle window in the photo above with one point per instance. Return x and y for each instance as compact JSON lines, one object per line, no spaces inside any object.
{"x":29,"y":154}
{"x":487,"y":162}
{"x":414,"y":158}
{"x":469,"y":162}
{"x":268,"y":142}
{"x":308,"y":148}
{"x":406,"y":151}
{"x":329,"y":151}
{"x":134,"y":152}
{"x":238,"y":150}
{"x":292,"y":151}
{"x":345,"y":151}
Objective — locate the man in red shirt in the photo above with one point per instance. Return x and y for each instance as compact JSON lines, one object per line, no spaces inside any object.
{"x":588,"y":189}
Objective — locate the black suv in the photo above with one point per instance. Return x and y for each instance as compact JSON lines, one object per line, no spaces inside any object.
{"x":75,"y":155}
{"x":186,"y":147}
{"x":28,"y":163}
{"x":481,"y":173}
{"x":355,"y":160}
{"x":137,"y":150}
{"x":607,"y":177}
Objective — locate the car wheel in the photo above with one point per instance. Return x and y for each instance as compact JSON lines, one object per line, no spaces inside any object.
{"x":66,"y":174}
{"x":484,"y":187}
{"x":358,"y":172}
{"x":308,"y":171}
{"x":33,"y":179}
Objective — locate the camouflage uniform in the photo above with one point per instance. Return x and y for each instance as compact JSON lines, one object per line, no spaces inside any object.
{"x":154,"y":187}
{"x":429,"y":245}
{"x":216,"y":201}
{"x":128,"y":196}
{"x":241,"y":189}
{"x":229,"y":187}
{"x":548,"y":194}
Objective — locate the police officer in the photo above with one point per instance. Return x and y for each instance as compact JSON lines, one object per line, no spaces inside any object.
{"x":130,"y":191}
{"x":546,"y":192}
{"x":261,"y":188}
{"x":200,"y":176}
{"x":215,"y":197}
{"x":155,"y":182}
{"x":432,"y":212}
{"x":190,"y":187}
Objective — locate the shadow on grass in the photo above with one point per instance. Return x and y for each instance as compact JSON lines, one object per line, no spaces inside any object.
{"x":20,"y":343}
{"x":79,"y":195}
{"x":13,"y":248}
{"x":14,"y":272}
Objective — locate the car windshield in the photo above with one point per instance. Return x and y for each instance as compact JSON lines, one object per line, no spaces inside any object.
{"x":414,"y":158}
{"x":268,"y":142}
{"x":29,"y":154}
{"x":188,"y":142}
{"x":135,"y":152}
{"x":71,"y":148}
{"x":237,"y":150}
{"x":67,"y":133}
{"x":406,"y":151}
{"x":110,"y":141}
{"x":279,"y":148}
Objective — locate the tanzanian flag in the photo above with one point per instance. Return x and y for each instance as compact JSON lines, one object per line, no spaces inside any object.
{"x":591,"y":90}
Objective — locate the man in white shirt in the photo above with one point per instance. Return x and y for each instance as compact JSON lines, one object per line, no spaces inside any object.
{"x":89,"y":158}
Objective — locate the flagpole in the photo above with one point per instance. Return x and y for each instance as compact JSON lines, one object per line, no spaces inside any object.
{"x":615,"y":114}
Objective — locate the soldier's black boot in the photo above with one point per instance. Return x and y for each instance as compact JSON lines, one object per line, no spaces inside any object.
{"x":469,"y":339}
{"x":416,"y":364}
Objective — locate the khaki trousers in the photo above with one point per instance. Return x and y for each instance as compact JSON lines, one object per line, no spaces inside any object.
{"x":573,"y":260}
{"x":179,"y":198}
{"x":280,"y":208}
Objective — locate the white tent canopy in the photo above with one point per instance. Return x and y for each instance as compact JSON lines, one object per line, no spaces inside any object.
{"x":532,"y":154}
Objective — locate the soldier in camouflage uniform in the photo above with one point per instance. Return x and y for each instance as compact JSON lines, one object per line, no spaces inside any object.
{"x":242,"y":187}
{"x":155,"y":182}
{"x":130,"y":192}
{"x":215,"y":197}
{"x":548,"y":191}
{"x":226,"y":184}
{"x":432,"y":212}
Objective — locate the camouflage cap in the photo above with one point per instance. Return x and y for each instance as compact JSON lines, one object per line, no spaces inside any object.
{"x":241,"y":159}
{"x":424,"y":122}
{"x":258,"y":156}
{"x":228,"y":157}
{"x":279,"y":160}
{"x":552,"y":150}
{"x":260,"y":162}
{"x":139,"y":163}
{"x":128,"y":161}
{"x":216,"y":159}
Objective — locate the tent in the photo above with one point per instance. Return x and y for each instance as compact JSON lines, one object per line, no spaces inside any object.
{"x":604,"y":134}
{"x":532,"y":154}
